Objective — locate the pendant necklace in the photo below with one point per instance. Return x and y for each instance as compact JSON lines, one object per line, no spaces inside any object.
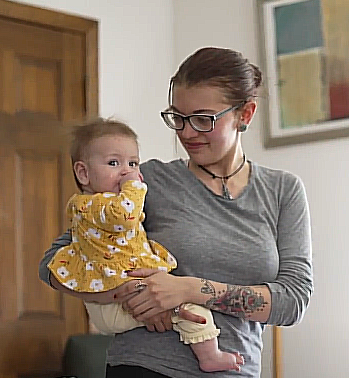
{"x":225,"y":191}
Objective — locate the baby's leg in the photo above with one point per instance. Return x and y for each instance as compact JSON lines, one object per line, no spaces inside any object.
{"x":211,"y":358}
{"x":111,"y":318}
{"x":203,"y":342}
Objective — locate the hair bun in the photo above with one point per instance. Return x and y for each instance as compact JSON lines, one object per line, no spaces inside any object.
{"x":257,"y":75}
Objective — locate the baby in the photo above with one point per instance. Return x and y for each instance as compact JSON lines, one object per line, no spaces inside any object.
{"x":108,"y":238}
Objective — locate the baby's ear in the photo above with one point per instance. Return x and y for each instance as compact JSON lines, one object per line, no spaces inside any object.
{"x":81,"y":172}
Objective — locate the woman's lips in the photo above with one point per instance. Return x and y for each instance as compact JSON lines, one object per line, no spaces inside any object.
{"x":194,"y":145}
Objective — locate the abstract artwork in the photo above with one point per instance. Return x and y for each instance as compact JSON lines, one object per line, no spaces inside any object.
{"x":306,"y":51}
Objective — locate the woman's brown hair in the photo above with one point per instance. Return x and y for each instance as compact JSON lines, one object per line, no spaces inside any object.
{"x":223,"y":68}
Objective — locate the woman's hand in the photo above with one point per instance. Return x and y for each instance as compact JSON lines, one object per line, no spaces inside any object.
{"x":162,"y":292}
{"x":160,"y":323}
{"x":103,"y":297}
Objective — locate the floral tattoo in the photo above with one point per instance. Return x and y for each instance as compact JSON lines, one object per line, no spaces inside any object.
{"x":239,"y":301}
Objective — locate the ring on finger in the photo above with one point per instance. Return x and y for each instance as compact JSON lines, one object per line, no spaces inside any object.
{"x":177,"y":310}
{"x":140,"y":285}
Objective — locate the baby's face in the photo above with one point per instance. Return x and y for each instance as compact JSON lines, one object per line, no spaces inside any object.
{"x":110,"y":158}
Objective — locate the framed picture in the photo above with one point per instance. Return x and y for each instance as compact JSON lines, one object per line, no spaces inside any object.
{"x":305,"y":46}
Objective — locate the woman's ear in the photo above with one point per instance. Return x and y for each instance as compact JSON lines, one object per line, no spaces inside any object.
{"x":248,"y":111}
{"x":81,"y":172}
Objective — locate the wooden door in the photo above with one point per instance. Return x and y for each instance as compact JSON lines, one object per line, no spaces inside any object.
{"x":44,"y":70}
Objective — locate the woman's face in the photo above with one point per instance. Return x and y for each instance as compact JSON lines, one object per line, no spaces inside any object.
{"x":212,"y":147}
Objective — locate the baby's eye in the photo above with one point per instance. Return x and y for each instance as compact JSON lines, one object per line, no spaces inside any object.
{"x":133,"y":164}
{"x":113,"y":163}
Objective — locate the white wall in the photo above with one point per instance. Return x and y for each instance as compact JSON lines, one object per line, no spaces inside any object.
{"x":136,"y":62}
{"x":318,"y":347}
{"x":141,"y":43}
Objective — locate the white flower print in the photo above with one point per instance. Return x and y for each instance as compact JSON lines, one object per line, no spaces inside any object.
{"x":89,"y":266}
{"x":130,"y":234}
{"x":162,"y":268}
{"x":96,"y":285}
{"x":102,"y":214}
{"x":156,"y":258}
{"x":118,"y":228}
{"x":133,"y":259}
{"x":74,"y":239}
{"x":93,"y":232}
{"x":139,"y":185}
{"x":71,"y":252}
{"x":113,"y":249}
{"x":83,"y":257}
{"x":123,"y":274}
{"x":171,"y":260}
{"x":109,"y":272}
{"x":63,"y":271}
{"x":128,"y":205}
{"x":143,"y":254}
{"x":121,"y":241}
{"x":89,"y":203}
{"x":108,"y":195}
{"x":146,"y":246}
{"x":141,"y":228}
{"x":71,"y":284}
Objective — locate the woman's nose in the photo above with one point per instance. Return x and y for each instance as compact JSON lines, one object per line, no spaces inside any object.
{"x":188,"y":131}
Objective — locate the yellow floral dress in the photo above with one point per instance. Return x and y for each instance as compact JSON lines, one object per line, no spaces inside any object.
{"x":108,"y":239}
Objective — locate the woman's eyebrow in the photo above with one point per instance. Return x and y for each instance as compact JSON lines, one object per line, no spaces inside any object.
{"x":198,"y":111}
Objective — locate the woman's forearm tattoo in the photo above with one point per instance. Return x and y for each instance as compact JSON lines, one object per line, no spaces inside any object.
{"x":239,"y":301}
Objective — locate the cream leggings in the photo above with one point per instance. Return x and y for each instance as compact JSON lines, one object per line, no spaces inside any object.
{"x":112,"y":318}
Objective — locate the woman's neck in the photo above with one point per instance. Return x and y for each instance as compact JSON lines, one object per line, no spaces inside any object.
{"x":223,"y":167}
{"x":225,"y":177}
{"x":228,"y":185}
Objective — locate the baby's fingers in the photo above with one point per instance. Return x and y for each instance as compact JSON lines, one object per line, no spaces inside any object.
{"x":141,"y":273}
{"x":239,"y":359}
{"x":187,"y":315}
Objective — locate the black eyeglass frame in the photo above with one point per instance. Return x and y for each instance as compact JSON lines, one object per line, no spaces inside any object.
{"x":212,"y":117}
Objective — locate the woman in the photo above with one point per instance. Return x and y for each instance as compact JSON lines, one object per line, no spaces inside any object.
{"x":240,"y":231}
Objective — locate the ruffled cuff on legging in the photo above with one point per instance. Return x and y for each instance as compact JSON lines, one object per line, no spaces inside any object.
{"x":196,"y":337}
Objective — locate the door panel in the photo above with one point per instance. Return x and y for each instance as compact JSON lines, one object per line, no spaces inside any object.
{"x":43,"y":73}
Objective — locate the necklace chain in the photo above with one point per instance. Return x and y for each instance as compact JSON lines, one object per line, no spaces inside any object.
{"x":225,"y":191}
{"x":237,"y":170}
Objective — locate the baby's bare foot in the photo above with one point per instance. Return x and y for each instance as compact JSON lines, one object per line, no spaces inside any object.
{"x":211,"y":358}
{"x":221,"y":361}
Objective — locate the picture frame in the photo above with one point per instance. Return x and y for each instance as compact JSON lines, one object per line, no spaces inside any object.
{"x":305,"y":61}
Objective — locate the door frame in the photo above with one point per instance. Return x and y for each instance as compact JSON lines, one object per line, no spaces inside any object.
{"x":63,"y":21}
{"x":278,"y":371}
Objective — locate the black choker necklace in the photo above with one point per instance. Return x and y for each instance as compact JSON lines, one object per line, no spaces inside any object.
{"x":225,"y":191}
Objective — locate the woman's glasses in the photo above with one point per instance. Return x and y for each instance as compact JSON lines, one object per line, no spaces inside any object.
{"x":203,"y":123}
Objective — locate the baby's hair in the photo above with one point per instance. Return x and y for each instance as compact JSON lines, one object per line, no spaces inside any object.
{"x":83,"y":135}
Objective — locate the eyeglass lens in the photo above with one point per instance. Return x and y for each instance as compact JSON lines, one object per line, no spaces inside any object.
{"x":199,"y":122}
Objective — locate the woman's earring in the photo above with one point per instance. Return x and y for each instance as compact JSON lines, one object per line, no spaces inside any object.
{"x":175,"y":144}
{"x":242,"y":128}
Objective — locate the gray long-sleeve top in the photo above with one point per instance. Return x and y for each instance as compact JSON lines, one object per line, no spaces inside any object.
{"x":261,"y":237}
